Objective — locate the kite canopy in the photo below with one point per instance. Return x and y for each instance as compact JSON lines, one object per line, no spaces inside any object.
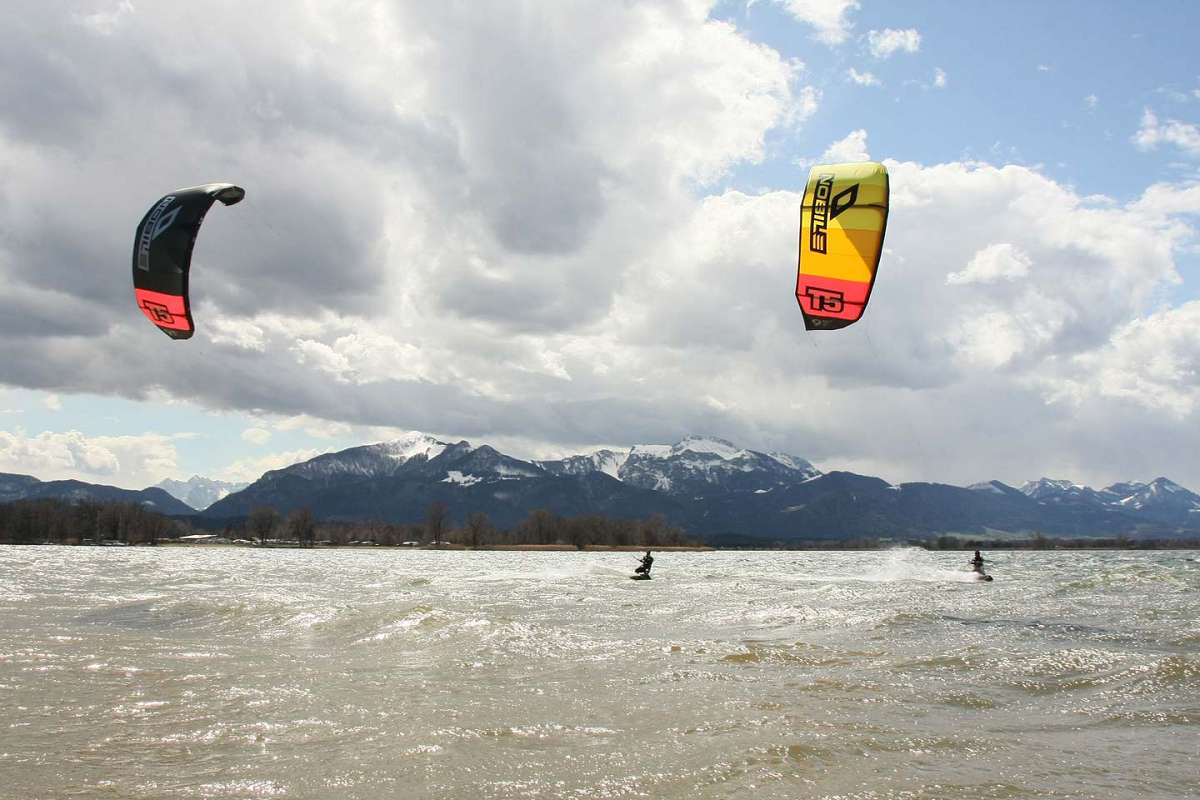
{"x":841,"y":238}
{"x":162,"y":254}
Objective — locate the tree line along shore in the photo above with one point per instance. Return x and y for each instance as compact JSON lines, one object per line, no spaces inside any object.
{"x":53,"y":521}
{"x":57,"y":521}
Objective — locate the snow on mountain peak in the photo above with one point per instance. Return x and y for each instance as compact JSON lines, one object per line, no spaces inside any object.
{"x":1165,"y":485}
{"x":413,"y":443}
{"x":653,"y":450}
{"x":791,"y":462}
{"x":1044,"y":486}
{"x":708,"y":444}
{"x":199,"y":492}
{"x":607,"y":461}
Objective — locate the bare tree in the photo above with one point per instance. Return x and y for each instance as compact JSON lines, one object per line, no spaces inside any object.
{"x":262,"y":522}
{"x":479,"y":529}
{"x":436,"y":521}
{"x":585,"y":530}
{"x":301,"y":527}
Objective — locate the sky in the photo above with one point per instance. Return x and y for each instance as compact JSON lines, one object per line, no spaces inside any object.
{"x":553,"y":227}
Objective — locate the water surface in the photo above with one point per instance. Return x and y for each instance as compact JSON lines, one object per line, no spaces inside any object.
{"x":244,"y":673}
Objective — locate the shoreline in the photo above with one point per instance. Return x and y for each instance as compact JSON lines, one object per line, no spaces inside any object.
{"x":1181,"y":546}
{"x":535,"y":548}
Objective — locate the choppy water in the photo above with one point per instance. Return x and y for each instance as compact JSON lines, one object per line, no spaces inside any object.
{"x":241,"y":673}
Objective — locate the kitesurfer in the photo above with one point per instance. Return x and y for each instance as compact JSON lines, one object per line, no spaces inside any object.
{"x":647,"y":561}
{"x":977,"y":563}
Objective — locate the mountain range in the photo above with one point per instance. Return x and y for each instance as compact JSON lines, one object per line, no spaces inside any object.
{"x":708,"y":486}
{"x":197,"y":492}
{"x":26,"y":487}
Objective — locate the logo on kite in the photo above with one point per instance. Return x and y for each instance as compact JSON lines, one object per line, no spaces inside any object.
{"x":157,"y":311}
{"x":825,"y":210}
{"x":155,"y":224}
{"x":162,"y":254}
{"x":842,"y":222}
{"x":827,"y":300}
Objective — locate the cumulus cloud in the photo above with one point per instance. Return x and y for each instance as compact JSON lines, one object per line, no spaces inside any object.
{"x":247,"y":470}
{"x":1001,"y":261}
{"x":1153,"y":362}
{"x":1153,"y":132}
{"x":316,"y":428}
{"x":256,"y":435}
{"x":862,"y":78}
{"x":851,"y":148}
{"x":939,"y":78}
{"x":829,"y":17}
{"x":130,"y":461}
{"x":889,"y":41}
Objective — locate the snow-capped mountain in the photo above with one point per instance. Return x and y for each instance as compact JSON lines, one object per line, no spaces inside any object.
{"x":1158,"y":495}
{"x":465,"y":463}
{"x":1161,"y":499}
{"x":199,"y":492}
{"x":608,"y":462}
{"x":1051,"y":489}
{"x":994,"y":487}
{"x":695,"y":465}
{"x":706,"y":485}
{"x":415,"y":459}
{"x":367,"y":461}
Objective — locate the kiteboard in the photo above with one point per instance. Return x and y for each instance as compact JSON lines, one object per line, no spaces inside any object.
{"x":639,"y":577}
{"x":979,"y":576}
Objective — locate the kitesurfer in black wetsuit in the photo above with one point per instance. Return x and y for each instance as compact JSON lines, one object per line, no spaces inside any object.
{"x":977,"y":563}
{"x":644,"y":569}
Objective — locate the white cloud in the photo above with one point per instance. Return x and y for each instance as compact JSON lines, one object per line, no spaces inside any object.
{"x":314,"y":427}
{"x":1153,"y":362}
{"x":829,"y":17}
{"x":889,"y":41}
{"x":52,"y":402}
{"x":995,"y":262}
{"x":806,"y":104}
{"x":1044,"y":68}
{"x":240,"y":333}
{"x":251,"y":469}
{"x":862,"y":78}
{"x":256,"y":435}
{"x":106,"y":21}
{"x":365,"y":356}
{"x":853,"y":147}
{"x":1153,"y":132}
{"x":128,"y":461}
{"x":1091,"y":101}
{"x":939,"y":78}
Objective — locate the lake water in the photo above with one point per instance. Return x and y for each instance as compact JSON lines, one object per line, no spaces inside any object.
{"x":244,"y":673}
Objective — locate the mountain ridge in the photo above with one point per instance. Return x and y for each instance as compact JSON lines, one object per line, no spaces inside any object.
{"x":707,"y":485}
